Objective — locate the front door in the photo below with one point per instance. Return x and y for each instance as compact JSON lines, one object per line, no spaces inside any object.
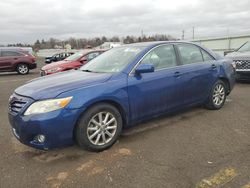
{"x":153,"y":93}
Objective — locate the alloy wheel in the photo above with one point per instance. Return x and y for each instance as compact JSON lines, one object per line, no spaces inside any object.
{"x":23,"y":69}
{"x":218,"y":94}
{"x":101,"y":128}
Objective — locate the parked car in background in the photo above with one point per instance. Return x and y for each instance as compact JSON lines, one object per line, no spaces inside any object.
{"x":241,"y":58}
{"x":118,"y":89}
{"x":17,"y":60}
{"x":72,"y":62}
{"x":58,"y":57}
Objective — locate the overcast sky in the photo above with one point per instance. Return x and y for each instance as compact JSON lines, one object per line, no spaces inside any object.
{"x":28,"y":20}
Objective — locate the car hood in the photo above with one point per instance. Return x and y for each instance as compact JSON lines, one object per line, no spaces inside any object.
{"x":53,"y":85}
{"x":239,"y":55}
{"x":56,"y":64}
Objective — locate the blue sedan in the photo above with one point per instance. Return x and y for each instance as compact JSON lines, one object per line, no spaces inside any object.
{"x":120,"y":88}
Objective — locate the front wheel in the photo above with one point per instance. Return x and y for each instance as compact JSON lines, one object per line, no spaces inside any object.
{"x":217,"y":96}
{"x":99,"y":127}
{"x":22,"y":69}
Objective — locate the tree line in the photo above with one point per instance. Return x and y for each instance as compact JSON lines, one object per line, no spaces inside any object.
{"x":92,"y":42}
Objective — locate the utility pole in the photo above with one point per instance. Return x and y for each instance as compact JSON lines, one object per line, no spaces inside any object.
{"x":183,"y":35}
{"x":142,"y":33}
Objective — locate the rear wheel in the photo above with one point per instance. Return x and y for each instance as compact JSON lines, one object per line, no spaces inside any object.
{"x":99,"y":128}
{"x":217,"y":96}
{"x":22,"y":69}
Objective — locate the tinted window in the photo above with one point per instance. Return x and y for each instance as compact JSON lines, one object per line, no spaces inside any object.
{"x":189,"y":53}
{"x":10,"y":54}
{"x":57,"y":55}
{"x":161,"y":57}
{"x":206,"y":56}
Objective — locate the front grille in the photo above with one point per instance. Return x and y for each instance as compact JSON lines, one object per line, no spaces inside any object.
{"x":242,"y":65}
{"x":17,"y":103}
{"x":16,"y":106}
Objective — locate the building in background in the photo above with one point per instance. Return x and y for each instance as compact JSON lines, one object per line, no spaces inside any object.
{"x":107,"y":45}
{"x":223,"y":44}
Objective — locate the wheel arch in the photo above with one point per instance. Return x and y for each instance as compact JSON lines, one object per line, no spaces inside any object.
{"x":19,"y":63}
{"x":227,"y":83}
{"x":114,"y":103}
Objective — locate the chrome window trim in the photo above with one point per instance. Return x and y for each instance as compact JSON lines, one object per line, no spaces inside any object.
{"x":131,"y":73}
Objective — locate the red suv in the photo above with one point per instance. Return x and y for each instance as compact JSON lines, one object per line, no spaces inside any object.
{"x":16,"y":60}
{"x":74,"y":61}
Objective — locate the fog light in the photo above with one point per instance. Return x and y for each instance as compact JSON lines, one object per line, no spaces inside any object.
{"x":40,"y":138}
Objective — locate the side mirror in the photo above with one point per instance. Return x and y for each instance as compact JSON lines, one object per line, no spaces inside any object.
{"x":144,"y":68}
{"x":84,"y":59}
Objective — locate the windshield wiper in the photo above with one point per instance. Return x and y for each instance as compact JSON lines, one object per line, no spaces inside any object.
{"x":86,"y":70}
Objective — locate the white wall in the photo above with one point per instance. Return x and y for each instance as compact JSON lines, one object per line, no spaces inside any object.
{"x":223,"y":44}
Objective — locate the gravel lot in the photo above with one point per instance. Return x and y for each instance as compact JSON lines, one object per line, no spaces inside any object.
{"x":195,"y":148}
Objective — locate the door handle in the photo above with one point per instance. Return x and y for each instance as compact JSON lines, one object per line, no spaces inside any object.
{"x":177,"y":74}
{"x":213,"y":66}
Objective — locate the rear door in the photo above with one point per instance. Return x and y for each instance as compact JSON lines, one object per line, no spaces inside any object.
{"x":8,"y":59}
{"x":153,"y":93}
{"x":198,"y":72}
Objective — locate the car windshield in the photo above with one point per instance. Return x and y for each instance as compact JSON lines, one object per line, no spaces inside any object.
{"x":114,"y":60}
{"x":245,"y":47}
{"x":74,"y":57}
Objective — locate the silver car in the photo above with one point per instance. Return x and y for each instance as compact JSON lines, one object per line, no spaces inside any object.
{"x":241,"y":58}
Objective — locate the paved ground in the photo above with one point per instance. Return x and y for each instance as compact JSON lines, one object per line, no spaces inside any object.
{"x":196,"y":148}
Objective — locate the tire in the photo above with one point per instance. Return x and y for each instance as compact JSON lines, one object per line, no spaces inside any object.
{"x":22,"y":69}
{"x":89,"y":131}
{"x":217,"y":96}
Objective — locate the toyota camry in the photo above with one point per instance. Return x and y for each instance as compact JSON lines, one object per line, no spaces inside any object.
{"x":118,"y":89}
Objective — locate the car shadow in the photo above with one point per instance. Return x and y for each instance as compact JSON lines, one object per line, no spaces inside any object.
{"x":243,"y":81}
{"x":162,"y":121}
{"x":4,"y":74}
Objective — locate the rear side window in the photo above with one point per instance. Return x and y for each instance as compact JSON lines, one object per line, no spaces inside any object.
{"x":92,"y":55}
{"x":206,"y":56}
{"x":10,"y":54}
{"x":189,"y":54}
{"x":161,"y":57}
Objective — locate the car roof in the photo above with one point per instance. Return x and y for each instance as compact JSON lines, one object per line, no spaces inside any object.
{"x":156,"y":43}
{"x":16,"y":49}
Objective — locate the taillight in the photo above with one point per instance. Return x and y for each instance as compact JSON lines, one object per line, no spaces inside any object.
{"x":33,"y":59}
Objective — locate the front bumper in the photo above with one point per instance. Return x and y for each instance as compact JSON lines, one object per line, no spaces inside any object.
{"x":243,"y":75}
{"x":56,"y":126}
{"x":33,"y":66}
{"x":45,"y":73}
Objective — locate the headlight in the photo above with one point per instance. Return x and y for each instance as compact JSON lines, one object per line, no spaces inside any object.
{"x":54,"y":70}
{"x":47,"y":106}
{"x":233,"y":65}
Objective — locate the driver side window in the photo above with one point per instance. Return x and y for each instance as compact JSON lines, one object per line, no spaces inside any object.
{"x":161,"y":57}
